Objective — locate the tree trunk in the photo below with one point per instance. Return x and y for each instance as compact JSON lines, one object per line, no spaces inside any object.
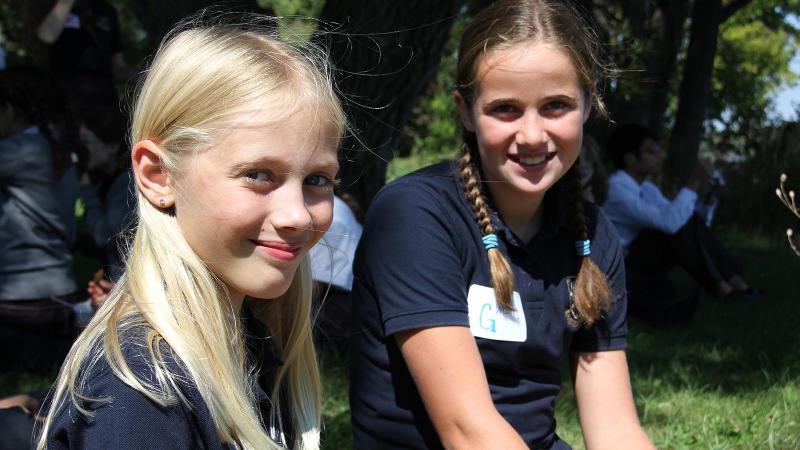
{"x":159,"y":16}
{"x":385,"y":53}
{"x":695,"y":91}
{"x":668,"y":26}
{"x":658,"y":26}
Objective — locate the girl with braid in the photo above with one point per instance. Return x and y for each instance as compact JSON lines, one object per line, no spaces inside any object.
{"x":475,"y":280}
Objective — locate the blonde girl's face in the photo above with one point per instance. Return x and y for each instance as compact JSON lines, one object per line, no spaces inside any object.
{"x":254,"y":204}
{"x":528,"y":118}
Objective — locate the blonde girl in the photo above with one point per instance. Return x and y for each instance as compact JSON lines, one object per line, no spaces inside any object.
{"x":478,"y":279}
{"x":205,"y":341}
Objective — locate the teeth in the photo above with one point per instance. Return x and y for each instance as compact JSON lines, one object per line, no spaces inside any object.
{"x":532,"y":161}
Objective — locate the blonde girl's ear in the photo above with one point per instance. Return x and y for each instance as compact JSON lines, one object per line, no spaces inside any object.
{"x":463,"y":111}
{"x":152,"y":177}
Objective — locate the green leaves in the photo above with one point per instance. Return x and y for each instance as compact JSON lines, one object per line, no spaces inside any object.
{"x":752,"y":63}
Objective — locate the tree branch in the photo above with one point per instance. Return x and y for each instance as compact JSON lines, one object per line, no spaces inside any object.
{"x":731,"y":8}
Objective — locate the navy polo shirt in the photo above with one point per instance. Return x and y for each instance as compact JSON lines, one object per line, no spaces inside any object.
{"x":420,"y":254}
{"x":129,"y":420}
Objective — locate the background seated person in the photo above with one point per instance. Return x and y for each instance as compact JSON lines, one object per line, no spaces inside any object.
{"x":332,"y":270}
{"x":84,"y":49}
{"x":659,"y":233}
{"x":39,"y":185}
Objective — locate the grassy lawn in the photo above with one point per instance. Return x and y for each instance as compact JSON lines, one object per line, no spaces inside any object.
{"x":728,"y":380}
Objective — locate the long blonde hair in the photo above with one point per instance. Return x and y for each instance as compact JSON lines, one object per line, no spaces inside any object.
{"x":202,"y":77}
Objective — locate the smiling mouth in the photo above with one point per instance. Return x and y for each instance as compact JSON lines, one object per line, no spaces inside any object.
{"x":532,"y":160}
{"x":283,"y":251}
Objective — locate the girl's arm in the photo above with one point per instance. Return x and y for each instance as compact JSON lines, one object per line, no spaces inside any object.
{"x":448,"y":371}
{"x":605,"y":402}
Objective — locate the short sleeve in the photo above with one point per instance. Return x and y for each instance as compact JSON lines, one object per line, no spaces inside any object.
{"x":610,"y":332}
{"x":409,"y":259}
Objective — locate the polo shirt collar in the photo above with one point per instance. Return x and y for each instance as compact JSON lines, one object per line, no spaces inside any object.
{"x":554,"y":220}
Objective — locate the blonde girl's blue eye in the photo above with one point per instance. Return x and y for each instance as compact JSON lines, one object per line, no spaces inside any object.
{"x":320,"y":181}
{"x":257,"y":177}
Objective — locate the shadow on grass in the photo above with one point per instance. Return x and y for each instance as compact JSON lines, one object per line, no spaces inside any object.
{"x":731,"y":347}
{"x":336,"y":432}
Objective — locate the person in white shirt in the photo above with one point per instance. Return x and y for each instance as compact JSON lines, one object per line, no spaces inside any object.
{"x":659,"y":233}
{"x":332,"y":271}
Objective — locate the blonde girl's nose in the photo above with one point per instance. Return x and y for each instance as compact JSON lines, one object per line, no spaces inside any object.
{"x":289,"y":208}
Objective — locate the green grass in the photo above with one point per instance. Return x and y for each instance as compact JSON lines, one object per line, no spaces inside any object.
{"x":728,"y":380}
{"x":731,"y":378}
{"x":335,"y":406}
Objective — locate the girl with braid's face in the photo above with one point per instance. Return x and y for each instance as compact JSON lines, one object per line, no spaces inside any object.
{"x":528,"y":117}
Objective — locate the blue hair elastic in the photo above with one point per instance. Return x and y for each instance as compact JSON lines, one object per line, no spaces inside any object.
{"x":583,"y":247}
{"x":490,"y":241}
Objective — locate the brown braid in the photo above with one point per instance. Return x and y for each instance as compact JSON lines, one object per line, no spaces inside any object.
{"x":502,"y":276}
{"x":592,"y":295}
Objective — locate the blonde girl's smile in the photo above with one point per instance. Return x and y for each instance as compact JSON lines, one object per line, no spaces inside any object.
{"x":282,"y":251}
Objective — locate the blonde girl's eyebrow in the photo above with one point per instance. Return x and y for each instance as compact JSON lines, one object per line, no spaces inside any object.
{"x":264,"y":162}
{"x":275,"y":164}
{"x":329,"y":167}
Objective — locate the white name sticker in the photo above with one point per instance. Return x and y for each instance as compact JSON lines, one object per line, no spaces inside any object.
{"x":487,"y":321}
